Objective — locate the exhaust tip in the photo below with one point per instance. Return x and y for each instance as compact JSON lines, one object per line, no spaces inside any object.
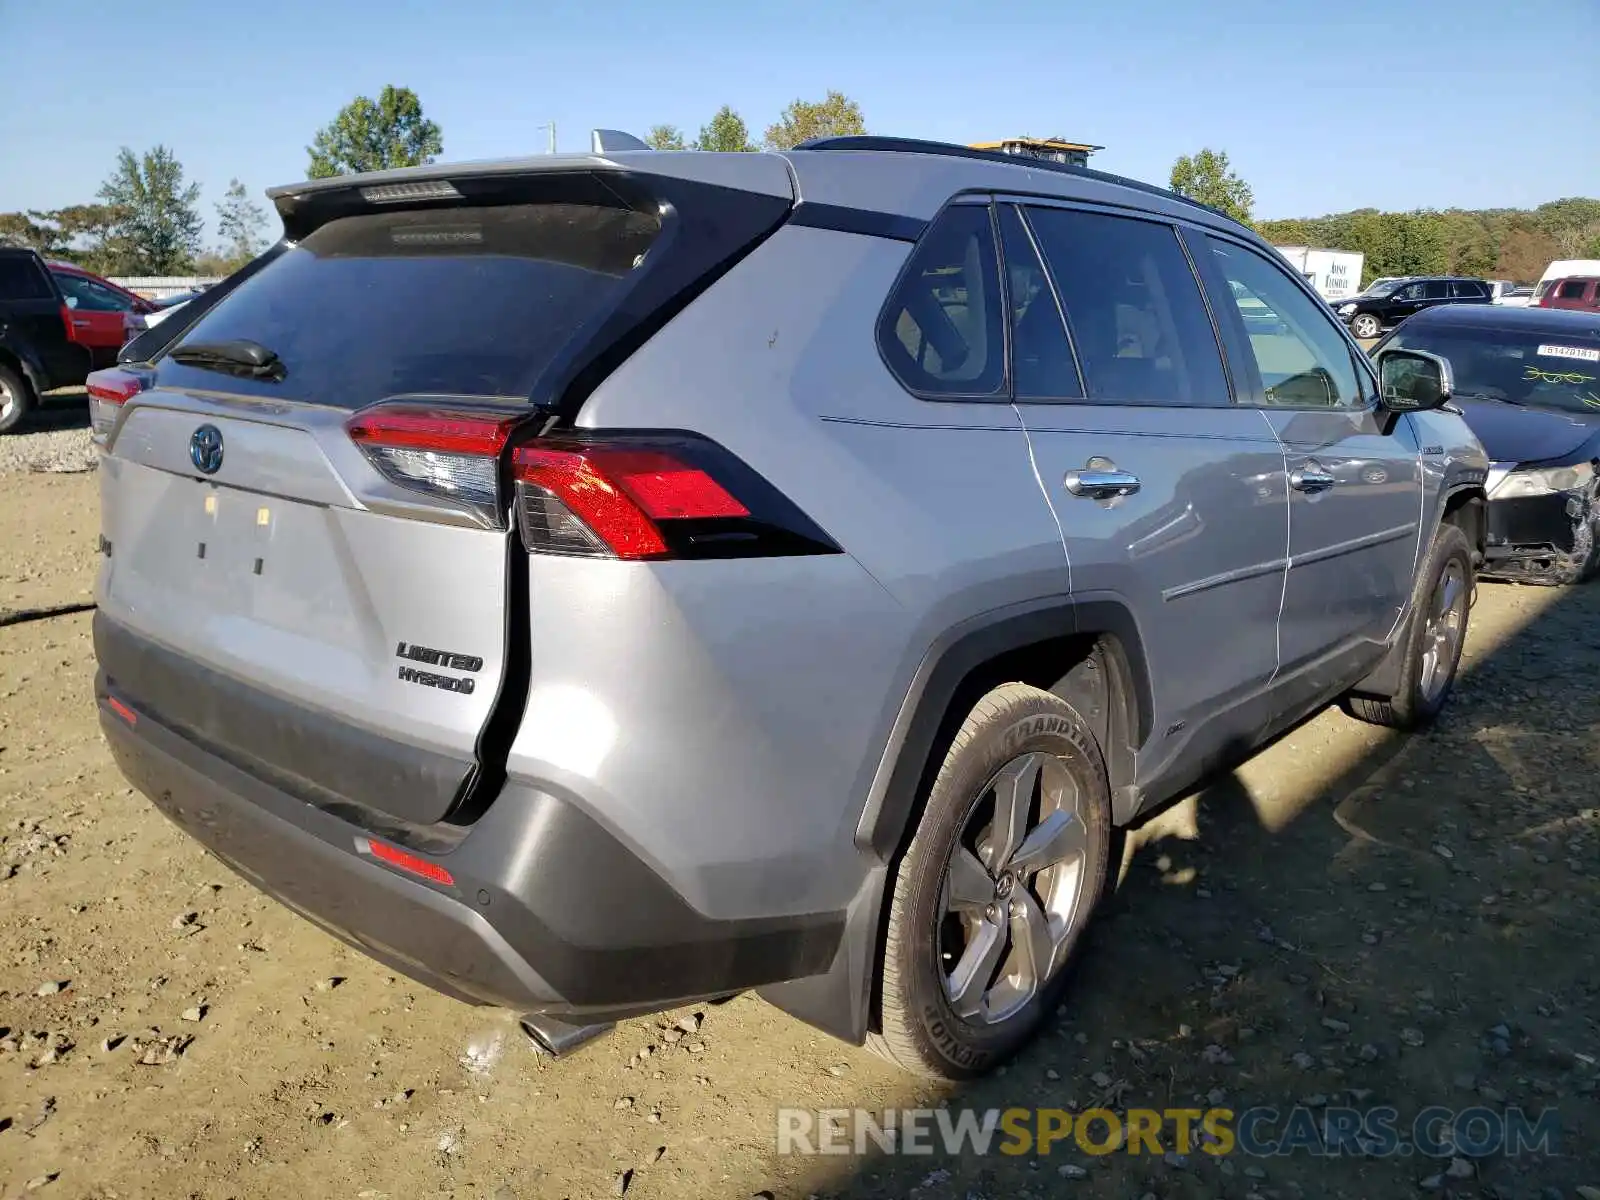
{"x":558,"y":1038}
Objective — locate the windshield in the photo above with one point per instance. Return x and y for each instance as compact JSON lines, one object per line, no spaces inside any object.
{"x":1551,"y":370}
{"x":1382,"y":287}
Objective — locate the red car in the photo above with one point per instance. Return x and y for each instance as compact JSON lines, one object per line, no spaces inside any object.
{"x":100,"y":316}
{"x":1581,"y":292}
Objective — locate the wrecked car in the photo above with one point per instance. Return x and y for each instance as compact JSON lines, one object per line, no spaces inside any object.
{"x":1528,"y":382}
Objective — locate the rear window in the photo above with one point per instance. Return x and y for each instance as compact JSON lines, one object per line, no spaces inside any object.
{"x":20,"y":279}
{"x":466,"y":302}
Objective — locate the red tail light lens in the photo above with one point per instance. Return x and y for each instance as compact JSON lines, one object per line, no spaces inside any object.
{"x":448,"y":453}
{"x":609,"y":501}
{"x":108,"y":391}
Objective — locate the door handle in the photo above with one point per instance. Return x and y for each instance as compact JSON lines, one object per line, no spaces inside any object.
{"x":1310,"y":479}
{"x":1100,"y":485}
{"x":76,"y":324}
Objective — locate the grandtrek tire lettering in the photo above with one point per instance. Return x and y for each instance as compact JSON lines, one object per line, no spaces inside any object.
{"x":439,"y":658}
{"x":445,"y":683}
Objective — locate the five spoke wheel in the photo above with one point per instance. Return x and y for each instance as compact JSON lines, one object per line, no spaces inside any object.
{"x":1013,"y":888}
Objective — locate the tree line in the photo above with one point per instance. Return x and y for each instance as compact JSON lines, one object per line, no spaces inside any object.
{"x":145,"y":219}
{"x":1491,"y":243}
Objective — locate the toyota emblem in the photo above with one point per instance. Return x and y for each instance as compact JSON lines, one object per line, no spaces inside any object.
{"x":205,"y":449}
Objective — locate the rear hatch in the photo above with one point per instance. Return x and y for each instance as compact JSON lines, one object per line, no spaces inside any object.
{"x":304,"y":493}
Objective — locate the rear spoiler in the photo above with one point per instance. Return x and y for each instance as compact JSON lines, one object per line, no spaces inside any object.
{"x":714,"y":209}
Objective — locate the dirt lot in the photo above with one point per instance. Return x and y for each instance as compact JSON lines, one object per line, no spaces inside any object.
{"x":1350,"y":918}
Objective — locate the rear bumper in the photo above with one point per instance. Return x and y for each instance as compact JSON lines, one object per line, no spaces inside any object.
{"x":546,"y":911}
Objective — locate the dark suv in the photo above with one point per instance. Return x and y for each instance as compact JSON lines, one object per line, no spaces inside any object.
{"x":37,"y":350}
{"x":1384,"y":305}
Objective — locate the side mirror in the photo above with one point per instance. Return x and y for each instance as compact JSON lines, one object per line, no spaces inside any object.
{"x":1411,"y":381}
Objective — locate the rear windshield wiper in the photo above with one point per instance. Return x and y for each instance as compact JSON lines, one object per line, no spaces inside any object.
{"x":239,"y":356}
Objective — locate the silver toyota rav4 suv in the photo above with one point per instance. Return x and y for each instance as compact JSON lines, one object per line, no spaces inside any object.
{"x":591,"y":584}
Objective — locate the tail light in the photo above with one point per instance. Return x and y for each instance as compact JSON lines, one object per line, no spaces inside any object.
{"x":593,"y":495}
{"x":649,"y":497}
{"x":447,"y":453}
{"x":108,"y":391}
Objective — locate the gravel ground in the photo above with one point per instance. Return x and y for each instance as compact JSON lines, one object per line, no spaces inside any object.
{"x":1350,"y":918}
{"x":54,"y":439}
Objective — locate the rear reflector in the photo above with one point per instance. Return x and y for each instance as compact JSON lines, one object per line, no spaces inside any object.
{"x":122,"y":710}
{"x":448,"y":453}
{"x":108,"y":391}
{"x":607,"y":501}
{"x":404,"y":861}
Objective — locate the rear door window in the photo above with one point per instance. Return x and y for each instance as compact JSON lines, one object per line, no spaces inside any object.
{"x":1042,"y":366}
{"x":91,"y":296}
{"x":466,"y":302}
{"x":943,"y":332}
{"x":1572,"y":289}
{"x":1134,"y":308}
{"x":1436,"y":289}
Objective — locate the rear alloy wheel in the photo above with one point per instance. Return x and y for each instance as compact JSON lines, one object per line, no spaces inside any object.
{"x":1365,"y":326}
{"x":16,"y":398}
{"x":995,"y":889}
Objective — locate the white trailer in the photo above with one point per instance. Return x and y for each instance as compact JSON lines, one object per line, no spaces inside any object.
{"x":1336,"y":274}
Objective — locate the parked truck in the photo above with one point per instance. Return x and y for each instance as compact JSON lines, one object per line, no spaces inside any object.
{"x":1336,"y":274}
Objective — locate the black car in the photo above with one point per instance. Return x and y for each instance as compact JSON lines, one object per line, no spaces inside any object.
{"x":1528,"y":382}
{"x":37,"y":352}
{"x":1384,"y":305}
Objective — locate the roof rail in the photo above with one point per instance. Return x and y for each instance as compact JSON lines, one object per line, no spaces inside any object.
{"x":954,"y":150}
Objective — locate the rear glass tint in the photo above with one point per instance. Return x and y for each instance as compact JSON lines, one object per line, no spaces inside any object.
{"x":464,"y":302}
{"x":20,"y":279}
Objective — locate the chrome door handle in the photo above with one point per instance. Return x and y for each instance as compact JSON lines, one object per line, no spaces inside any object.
{"x":1100,"y":485}
{"x":1310,"y":479}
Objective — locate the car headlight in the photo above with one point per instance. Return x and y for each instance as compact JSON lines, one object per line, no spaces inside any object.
{"x":1346,"y":309}
{"x":1544,"y":481}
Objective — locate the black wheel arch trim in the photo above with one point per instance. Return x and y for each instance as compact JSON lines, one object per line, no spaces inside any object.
{"x":33,"y":372}
{"x":901,"y":775}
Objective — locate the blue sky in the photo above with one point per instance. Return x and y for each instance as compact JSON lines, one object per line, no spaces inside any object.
{"x":1323,"y":105}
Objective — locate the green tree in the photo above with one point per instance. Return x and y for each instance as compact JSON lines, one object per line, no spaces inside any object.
{"x":835,"y":115}
{"x":375,"y":135}
{"x":1207,"y":178}
{"x":155,"y":229}
{"x":1525,"y":251}
{"x":726,"y":132}
{"x":240,"y":221}
{"x":665,"y":137}
{"x":1573,"y":223}
{"x":79,"y":233}
{"x":23,"y":230}
{"x":1293,"y":232}
{"x":1470,"y":249}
